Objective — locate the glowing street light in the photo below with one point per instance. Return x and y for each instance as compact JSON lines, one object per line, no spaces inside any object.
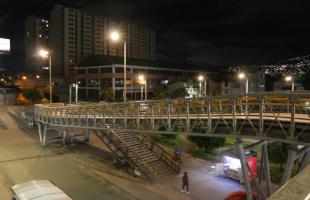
{"x":24,"y":77}
{"x":43,"y":53}
{"x":142,"y":81}
{"x":290,"y":79}
{"x":243,"y":76}
{"x":115,"y":36}
{"x":201,"y":79}
{"x":37,"y":76}
{"x":46,"y":54}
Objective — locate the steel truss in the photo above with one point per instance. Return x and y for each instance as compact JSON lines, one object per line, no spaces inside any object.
{"x":279,"y":117}
{"x":282,"y":117}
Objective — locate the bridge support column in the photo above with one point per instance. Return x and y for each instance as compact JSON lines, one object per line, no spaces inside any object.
{"x":44,"y":135}
{"x":306,"y":161}
{"x":152,"y":117}
{"x":245,"y":178}
{"x":267,"y":170}
{"x":289,"y":164}
{"x":40,"y":132}
{"x":187,"y":118}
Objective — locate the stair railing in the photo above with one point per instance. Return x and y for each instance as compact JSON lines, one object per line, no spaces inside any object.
{"x":139,"y":163}
{"x":176,"y":164}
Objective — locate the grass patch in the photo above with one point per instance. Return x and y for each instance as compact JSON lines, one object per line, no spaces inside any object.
{"x":200,"y":153}
{"x":171,"y":141}
{"x":277,"y":173}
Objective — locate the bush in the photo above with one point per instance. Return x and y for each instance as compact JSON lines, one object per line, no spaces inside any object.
{"x":208,"y":143}
{"x":170,"y":140}
{"x":32,"y":95}
{"x":277,"y":153}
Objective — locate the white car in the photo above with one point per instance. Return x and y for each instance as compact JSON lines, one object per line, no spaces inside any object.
{"x":39,"y":190}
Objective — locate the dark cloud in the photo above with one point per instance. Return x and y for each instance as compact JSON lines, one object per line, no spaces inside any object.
{"x":221,"y":32}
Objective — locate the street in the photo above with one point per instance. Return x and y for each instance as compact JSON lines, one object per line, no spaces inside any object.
{"x":87,"y":172}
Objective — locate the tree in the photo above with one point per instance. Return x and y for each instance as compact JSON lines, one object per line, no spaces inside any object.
{"x":176,"y":90}
{"x":207,"y":143}
{"x":32,"y":95}
{"x":160,"y":92}
{"x":106,"y":93}
{"x":277,"y":153}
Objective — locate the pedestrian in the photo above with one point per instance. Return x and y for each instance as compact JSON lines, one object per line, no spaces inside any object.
{"x":185,"y":183}
{"x":177,"y":154}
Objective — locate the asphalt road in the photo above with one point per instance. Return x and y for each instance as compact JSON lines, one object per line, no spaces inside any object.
{"x":86,"y":171}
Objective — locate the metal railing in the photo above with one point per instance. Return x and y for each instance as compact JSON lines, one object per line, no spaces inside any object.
{"x":282,"y":117}
{"x":122,"y":147}
{"x":163,"y":154}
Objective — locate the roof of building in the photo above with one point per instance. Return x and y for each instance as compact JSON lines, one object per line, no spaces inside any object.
{"x":97,"y":60}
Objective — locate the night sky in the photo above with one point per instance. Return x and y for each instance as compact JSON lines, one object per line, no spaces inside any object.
{"x":210,"y":33}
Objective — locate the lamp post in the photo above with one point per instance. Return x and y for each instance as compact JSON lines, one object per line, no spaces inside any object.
{"x":290,"y":79}
{"x":143,"y":81}
{"x":115,"y":36}
{"x":243,"y":76}
{"x":201,"y":79}
{"x":76,"y":86}
{"x":46,"y":54}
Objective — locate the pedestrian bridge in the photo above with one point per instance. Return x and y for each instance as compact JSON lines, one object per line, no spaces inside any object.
{"x":282,"y":117}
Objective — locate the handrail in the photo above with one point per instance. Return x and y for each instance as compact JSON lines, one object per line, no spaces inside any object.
{"x":135,"y":155}
{"x":164,"y":154}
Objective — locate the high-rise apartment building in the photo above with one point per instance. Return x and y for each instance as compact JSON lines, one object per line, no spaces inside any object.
{"x":76,"y":34}
{"x":36,"y":37}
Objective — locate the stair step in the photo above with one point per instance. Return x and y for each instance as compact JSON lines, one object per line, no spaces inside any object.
{"x":150,"y":159}
{"x":129,"y":138}
{"x":137,"y":147}
{"x":141,"y":153}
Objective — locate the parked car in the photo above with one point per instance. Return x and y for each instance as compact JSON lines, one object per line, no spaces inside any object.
{"x":39,"y":190}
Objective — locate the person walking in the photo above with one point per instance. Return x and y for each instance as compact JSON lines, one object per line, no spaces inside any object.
{"x":185,"y":183}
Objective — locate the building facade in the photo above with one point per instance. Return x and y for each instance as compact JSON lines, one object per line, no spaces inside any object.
{"x":232,"y":85}
{"x":76,"y":34}
{"x":36,"y":37}
{"x":91,"y":78}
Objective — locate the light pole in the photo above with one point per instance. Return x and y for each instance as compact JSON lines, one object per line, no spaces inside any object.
{"x":76,"y":86}
{"x":142,"y":81}
{"x":290,"y":79}
{"x":243,"y":76}
{"x":115,"y":36}
{"x":201,"y":79}
{"x":46,"y":54}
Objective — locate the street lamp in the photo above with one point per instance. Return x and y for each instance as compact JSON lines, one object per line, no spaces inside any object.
{"x":290,"y":79}
{"x":243,"y":76}
{"x":201,"y":79}
{"x":46,"y":54}
{"x":115,"y":36}
{"x":142,"y":81}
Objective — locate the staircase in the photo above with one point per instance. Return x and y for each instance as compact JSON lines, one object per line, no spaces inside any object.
{"x":141,"y":153}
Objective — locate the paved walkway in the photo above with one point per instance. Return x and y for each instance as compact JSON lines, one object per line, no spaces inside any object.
{"x":86,"y":171}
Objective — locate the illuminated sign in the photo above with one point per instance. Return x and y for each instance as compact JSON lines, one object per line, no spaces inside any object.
{"x":5,"y":46}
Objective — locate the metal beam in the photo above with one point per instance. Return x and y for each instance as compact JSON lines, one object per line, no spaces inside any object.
{"x":244,"y":173}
